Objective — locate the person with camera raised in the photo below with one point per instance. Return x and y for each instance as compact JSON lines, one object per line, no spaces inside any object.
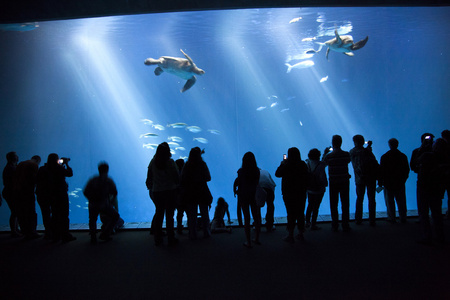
{"x":58,"y":170}
{"x":365,"y":167}
{"x":425,"y":162}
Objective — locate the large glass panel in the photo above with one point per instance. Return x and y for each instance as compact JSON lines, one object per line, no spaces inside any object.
{"x":80,"y":88}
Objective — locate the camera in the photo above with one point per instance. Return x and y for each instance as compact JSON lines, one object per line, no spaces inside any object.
{"x":428,"y":137}
{"x":284,"y":156}
{"x":63,"y":160}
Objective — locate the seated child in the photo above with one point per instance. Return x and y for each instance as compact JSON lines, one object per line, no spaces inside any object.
{"x":217,"y":224}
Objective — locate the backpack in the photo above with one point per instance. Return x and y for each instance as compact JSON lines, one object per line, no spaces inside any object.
{"x":314,"y":182}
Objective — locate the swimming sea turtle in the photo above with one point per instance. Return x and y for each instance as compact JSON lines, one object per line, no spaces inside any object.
{"x":343,"y":44}
{"x":181,"y":67}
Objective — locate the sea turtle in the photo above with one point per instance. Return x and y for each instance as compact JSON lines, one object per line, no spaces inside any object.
{"x":343,"y":44}
{"x":184,"y":68}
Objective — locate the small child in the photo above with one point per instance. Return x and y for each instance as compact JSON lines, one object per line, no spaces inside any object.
{"x":217,"y":224}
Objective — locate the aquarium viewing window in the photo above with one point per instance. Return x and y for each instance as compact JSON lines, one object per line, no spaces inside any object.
{"x":80,"y":88}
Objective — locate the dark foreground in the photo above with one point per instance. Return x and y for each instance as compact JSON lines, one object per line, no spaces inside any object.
{"x":384,"y":262}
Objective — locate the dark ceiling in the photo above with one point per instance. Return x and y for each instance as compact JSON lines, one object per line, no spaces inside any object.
{"x":19,"y":11}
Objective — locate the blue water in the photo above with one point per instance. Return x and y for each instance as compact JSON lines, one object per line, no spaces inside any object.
{"x":80,"y":88}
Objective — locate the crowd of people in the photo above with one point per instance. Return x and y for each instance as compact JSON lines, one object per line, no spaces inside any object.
{"x":183,"y":186}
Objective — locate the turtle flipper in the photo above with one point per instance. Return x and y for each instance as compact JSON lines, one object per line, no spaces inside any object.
{"x":360,"y":44}
{"x":158,"y":71}
{"x":189,"y":83}
{"x":328,"y":51}
{"x":349,"y":53}
{"x":338,"y":38}
{"x":187,"y":57}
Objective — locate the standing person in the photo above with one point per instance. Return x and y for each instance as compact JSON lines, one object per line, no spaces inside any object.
{"x":365,"y":167}
{"x":267,"y":183}
{"x":8,"y":191}
{"x":43,"y":198}
{"x":99,"y":191}
{"x":245,"y":188}
{"x":181,"y":209}
{"x":317,"y":183}
{"x":162,"y":182}
{"x":445,"y":165}
{"x":293,"y":173}
{"x":25,"y":184}
{"x":337,"y":161}
{"x":58,"y":170}
{"x":196,"y":194}
{"x":394,"y":171}
{"x":425,"y":162}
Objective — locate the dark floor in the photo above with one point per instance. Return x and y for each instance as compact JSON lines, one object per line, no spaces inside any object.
{"x":382,"y":262}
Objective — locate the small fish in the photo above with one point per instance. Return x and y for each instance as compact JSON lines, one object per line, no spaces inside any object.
{"x":310,"y":39}
{"x":194,"y":129}
{"x":159,"y":127}
{"x":324,"y":79}
{"x":177,"y":125}
{"x":301,"y":124}
{"x":149,"y":146}
{"x":79,"y":206}
{"x":175,"y":139}
{"x":147,"y":121}
{"x":78,"y":189}
{"x":86,"y":207}
{"x":183,"y":157}
{"x":172,"y":151}
{"x":284,"y":109}
{"x":301,"y":65}
{"x":19,"y":27}
{"x":261,"y":108}
{"x":273,"y":104}
{"x":272,"y":97}
{"x":201,"y":140}
{"x":213,"y":131}
{"x":295,"y":20}
{"x":291,"y":98}
{"x":180,"y":148}
{"x":147,"y":135}
{"x":173,"y":144}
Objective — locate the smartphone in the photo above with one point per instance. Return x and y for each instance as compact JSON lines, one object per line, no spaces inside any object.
{"x":284,"y":156}
{"x":61,"y":161}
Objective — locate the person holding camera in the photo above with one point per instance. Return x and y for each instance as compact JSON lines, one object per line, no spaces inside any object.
{"x":365,"y":167}
{"x":58,"y":170}
{"x":425,"y":162}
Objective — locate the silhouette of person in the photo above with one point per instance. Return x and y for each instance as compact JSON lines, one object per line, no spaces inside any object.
{"x":162,"y":182}
{"x":245,"y":188}
{"x":424,"y":162}
{"x":25,"y":183}
{"x":445,"y":165}
{"x":9,"y":193}
{"x":58,"y":170}
{"x":43,"y":197}
{"x":196,"y":194}
{"x":181,"y":209}
{"x":317,"y":183}
{"x":267,"y":183}
{"x":217,"y":224}
{"x":99,"y":191}
{"x":394,"y":171}
{"x":294,"y":173}
{"x":365,"y":167}
{"x":337,"y":161}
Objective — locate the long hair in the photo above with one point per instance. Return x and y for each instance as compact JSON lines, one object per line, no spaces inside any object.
{"x":294,"y":156}
{"x":249,"y":161}
{"x":162,"y":155}
{"x":195,"y":156}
